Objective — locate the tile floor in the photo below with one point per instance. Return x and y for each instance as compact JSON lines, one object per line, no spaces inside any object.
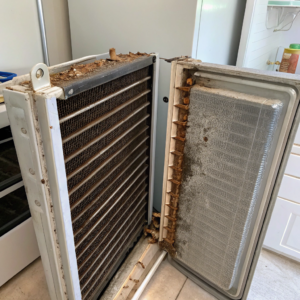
{"x":29,"y":284}
{"x":276,"y":278}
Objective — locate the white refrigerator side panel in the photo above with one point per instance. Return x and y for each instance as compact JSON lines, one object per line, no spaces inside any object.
{"x":166,"y":27}
{"x":220,"y":30}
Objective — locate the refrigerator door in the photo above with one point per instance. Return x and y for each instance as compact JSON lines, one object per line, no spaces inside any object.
{"x":229,"y":135}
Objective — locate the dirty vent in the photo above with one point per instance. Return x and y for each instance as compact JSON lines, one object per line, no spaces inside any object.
{"x":106,"y":137}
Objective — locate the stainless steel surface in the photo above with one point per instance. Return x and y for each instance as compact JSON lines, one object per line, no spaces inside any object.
{"x":43,"y":32}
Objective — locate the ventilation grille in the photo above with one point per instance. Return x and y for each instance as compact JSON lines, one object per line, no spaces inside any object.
{"x":106,"y":138}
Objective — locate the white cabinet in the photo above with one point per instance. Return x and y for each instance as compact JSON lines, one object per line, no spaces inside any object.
{"x":297,"y":138}
{"x":296,"y":149}
{"x":293,"y":166}
{"x":283,"y":235}
{"x":290,"y":188}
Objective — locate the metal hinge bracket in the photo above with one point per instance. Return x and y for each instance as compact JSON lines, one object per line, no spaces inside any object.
{"x":40,"y":77}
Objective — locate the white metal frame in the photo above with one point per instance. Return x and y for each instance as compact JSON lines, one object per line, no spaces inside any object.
{"x":54,"y":159}
{"x":20,"y":111}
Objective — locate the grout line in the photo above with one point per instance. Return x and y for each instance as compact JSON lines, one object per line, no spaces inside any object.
{"x":181,"y":288}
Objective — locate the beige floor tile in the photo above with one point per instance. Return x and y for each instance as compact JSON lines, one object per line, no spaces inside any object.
{"x":29,"y":284}
{"x":165,"y":284}
{"x":275,"y":278}
{"x":192,"y":291}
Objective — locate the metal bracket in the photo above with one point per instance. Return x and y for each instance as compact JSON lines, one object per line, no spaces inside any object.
{"x":40,"y":77}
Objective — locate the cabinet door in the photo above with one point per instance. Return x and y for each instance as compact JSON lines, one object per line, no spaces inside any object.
{"x":297,"y":138}
{"x":290,"y":188}
{"x":284,"y":229}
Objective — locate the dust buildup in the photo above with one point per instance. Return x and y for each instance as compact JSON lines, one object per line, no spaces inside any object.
{"x":72,"y":104}
{"x":227,"y":155}
{"x":96,"y":132}
{"x":107,"y":267}
{"x":121,"y":213}
{"x":117,"y":182}
{"x":95,"y":259}
{"x":102,"y":159}
{"x":78,"y":71}
{"x":91,"y":115}
{"x":101,"y":142}
{"x":117,"y":141}
{"x":87,"y":223}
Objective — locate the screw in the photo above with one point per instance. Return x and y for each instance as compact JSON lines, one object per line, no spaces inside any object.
{"x":24,"y":130}
{"x":39,"y":73}
{"x":31,"y":171}
{"x":166,"y":99}
{"x":37,"y":202}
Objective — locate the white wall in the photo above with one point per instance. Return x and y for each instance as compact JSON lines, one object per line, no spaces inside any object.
{"x":56,"y":16}
{"x":160,"y":26}
{"x":20,"y":39}
{"x":20,"y":42}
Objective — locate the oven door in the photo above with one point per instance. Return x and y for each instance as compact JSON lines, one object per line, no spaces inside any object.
{"x":230,"y":132}
{"x":18,"y":246}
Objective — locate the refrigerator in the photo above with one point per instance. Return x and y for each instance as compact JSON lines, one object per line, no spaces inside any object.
{"x":86,"y":146}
